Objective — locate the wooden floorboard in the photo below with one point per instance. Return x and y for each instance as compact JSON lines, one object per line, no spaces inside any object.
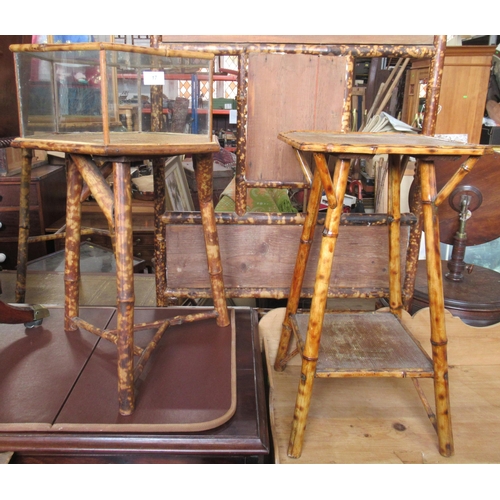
{"x":382,"y":420}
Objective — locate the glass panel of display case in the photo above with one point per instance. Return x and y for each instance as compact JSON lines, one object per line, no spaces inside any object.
{"x":105,"y":90}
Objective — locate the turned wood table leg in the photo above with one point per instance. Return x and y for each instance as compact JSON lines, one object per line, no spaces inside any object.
{"x":317,"y":313}
{"x":24,"y":226}
{"x":72,"y":244}
{"x":203,"y":167}
{"x":436,"y":305}
{"x":125,"y":286}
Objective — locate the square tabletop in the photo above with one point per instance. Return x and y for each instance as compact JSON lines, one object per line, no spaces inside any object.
{"x":378,"y":143}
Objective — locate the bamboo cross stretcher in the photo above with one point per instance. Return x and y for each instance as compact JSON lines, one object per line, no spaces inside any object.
{"x":333,"y":345}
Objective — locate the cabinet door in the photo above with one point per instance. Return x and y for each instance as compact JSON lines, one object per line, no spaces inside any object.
{"x":463,"y":91}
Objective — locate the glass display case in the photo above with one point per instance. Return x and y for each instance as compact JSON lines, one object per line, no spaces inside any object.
{"x":104,"y":93}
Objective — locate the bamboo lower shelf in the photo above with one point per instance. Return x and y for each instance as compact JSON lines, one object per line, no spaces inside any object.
{"x":365,"y":344}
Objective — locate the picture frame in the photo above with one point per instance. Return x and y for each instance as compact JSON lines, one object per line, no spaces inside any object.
{"x":177,"y":195}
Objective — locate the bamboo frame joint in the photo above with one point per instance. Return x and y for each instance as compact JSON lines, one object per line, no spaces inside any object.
{"x":307,"y":358}
{"x":439,"y":344}
{"x":329,"y":234}
{"x":283,"y":362}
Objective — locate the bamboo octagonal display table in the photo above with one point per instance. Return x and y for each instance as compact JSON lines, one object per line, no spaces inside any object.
{"x":68,"y":102}
{"x":371,"y":344}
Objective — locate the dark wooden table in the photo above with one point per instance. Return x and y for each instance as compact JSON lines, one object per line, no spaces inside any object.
{"x":51,"y":397}
{"x":475,"y":300}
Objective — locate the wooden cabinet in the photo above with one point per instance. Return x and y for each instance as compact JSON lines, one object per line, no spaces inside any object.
{"x":142,"y":227}
{"x":47,"y":204}
{"x":464,"y":88}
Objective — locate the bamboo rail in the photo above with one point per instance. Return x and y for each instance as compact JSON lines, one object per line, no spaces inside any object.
{"x":106,"y":46}
{"x":271,"y":218}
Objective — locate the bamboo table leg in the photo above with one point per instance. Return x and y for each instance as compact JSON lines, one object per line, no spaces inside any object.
{"x":125,"y":286}
{"x":24,"y":226}
{"x":436,"y":305}
{"x":72,"y":244}
{"x":203,"y":166}
{"x":318,"y":306}
{"x":306,"y":240}
{"x":160,"y":245}
{"x":394,"y":219}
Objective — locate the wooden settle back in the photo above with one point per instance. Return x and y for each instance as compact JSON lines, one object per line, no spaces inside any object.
{"x":287,"y":83}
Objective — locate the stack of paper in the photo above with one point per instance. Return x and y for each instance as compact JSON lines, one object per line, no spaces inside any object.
{"x":387,"y":123}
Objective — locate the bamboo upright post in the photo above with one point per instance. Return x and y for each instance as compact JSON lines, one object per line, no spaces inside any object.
{"x":24,"y":225}
{"x":428,"y":128}
{"x":160,"y":247}
{"x":349,"y":80}
{"x":394,"y":216}
{"x":241,"y":145}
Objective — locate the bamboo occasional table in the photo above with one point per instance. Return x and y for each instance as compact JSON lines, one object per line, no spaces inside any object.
{"x":373,"y":344}
{"x":68,"y":102}
{"x":116,"y":205}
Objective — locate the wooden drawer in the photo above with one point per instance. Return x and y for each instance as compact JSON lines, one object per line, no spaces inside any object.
{"x":9,"y":195}
{"x":47,"y":200}
{"x":8,"y":246}
{"x":144,"y":246}
{"x":10,"y":223}
{"x":98,"y":239}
